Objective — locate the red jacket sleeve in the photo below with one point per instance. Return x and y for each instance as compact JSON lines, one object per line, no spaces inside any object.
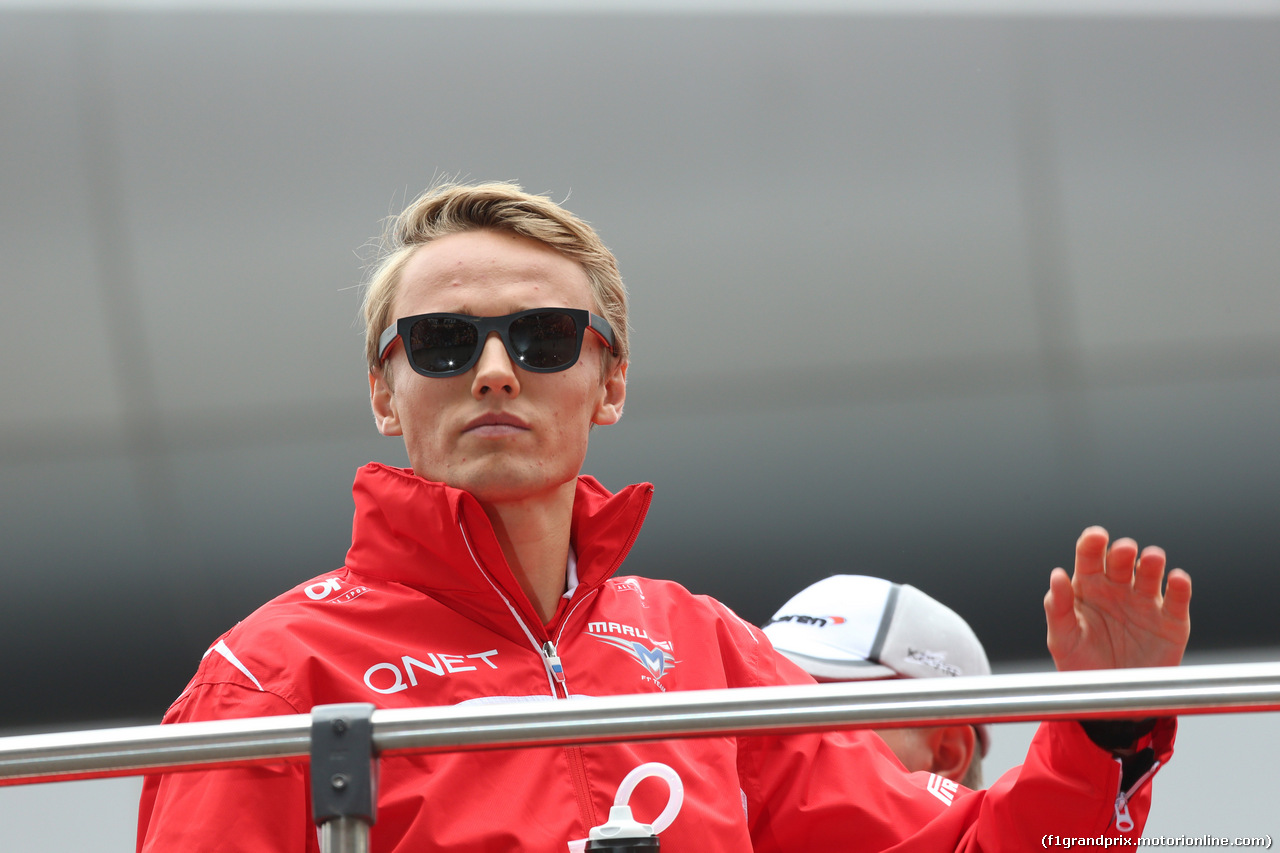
{"x":838,"y":790}
{"x":256,"y":809}
{"x":807,"y":791}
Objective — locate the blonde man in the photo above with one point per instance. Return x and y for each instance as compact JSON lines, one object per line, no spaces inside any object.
{"x":486,"y":572}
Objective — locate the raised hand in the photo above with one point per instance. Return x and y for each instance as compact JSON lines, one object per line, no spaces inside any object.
{"x":1111,"y":612}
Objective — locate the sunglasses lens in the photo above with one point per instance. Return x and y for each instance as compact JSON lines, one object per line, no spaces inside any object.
{"x":441,"y":344}
{"x":545,"y":340}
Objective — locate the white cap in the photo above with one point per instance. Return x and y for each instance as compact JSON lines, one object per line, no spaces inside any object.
{"x":854,"y":627}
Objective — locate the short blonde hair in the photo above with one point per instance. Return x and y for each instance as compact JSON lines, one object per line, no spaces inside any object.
{"x":455,"y":208}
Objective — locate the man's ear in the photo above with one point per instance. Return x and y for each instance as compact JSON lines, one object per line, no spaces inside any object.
{"x":383,"y":401}
{"x":609,"y":409}
{"x":954,"y":748}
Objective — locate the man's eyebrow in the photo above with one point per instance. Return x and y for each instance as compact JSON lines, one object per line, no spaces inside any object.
{"x":465,"y":310}
{"x":468,"y":311}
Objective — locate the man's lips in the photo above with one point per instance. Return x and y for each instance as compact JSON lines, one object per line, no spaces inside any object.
{"x":496,"y":425}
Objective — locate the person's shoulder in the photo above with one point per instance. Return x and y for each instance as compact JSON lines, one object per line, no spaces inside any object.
{"x":278,"y":619}
{"x":741,"y":650}
{"x":328,"y":598}
{"x":265,"y":652}
{"x":338,"y":587}
{"x":689,"y":607}
{"x":658,"y":591}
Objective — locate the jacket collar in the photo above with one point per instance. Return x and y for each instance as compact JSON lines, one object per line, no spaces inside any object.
{"x":438,"y":539}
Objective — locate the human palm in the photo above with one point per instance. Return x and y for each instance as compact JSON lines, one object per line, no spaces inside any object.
{"x":1111,"y":612}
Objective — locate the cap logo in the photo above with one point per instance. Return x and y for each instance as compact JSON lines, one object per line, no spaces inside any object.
{"x":819,"y":621}
{"x":933,"y":660}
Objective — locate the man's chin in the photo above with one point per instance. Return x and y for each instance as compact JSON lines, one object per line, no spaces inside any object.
{"x":492,"y":484}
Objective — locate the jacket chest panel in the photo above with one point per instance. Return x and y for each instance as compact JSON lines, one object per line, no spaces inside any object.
{"x":445,"y":674}
{"x":607,"y":657}
{"x":421,"y":653}
{"x":622,"y":646}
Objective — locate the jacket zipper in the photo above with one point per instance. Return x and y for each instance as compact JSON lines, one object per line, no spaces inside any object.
{"x":555,"y":667}
{"x":555,"y":672}
{"x":572,"y":754}
{"x":577,"y":766}
{"x":515,"y":614}
{"x":1124,"y":821}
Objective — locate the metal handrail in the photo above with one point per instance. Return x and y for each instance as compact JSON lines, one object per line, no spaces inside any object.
{"x":996,"y":698}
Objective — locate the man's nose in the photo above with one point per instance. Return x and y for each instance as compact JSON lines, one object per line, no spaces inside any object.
{"x":494,"y":370}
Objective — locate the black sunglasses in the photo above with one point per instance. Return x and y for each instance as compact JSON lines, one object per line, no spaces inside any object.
{"x":543,"y":340}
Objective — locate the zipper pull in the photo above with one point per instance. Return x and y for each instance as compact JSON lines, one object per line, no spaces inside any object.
{"x":554,"y":665}
{"x":1124,"y":821}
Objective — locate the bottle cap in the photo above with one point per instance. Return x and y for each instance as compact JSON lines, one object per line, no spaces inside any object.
{"x":621,"y":825}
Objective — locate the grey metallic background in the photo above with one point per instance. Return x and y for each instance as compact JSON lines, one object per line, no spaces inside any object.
{"x":914,"y":295}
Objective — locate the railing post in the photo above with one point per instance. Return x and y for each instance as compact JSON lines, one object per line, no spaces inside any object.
{"x":344,"y":776}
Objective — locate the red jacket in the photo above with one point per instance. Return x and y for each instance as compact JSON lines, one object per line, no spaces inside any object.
{"x":426,"y":612}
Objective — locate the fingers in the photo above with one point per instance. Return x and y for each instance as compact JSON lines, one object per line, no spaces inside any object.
{"x":1150,"y":571}
{"x":1060,"y":602}
{"x":1060,"y":618}
{"x":1177,"y":595}
{"x":1122,"y":565}
{"x":1091,"y":551}
{"x":1120,"y":561}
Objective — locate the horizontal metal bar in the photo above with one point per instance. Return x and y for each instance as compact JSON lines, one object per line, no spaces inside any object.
{"x":995,"y":698}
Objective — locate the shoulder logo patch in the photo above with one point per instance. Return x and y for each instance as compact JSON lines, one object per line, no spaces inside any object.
{"x":322,"y":589}
{"x":943,"y":789}
{"x":633,"y":585}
